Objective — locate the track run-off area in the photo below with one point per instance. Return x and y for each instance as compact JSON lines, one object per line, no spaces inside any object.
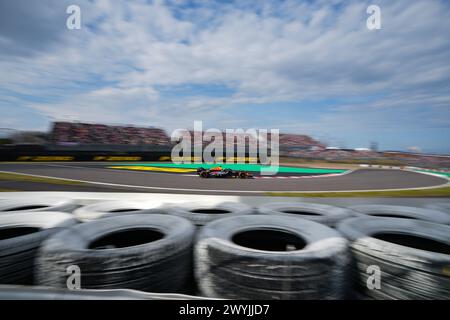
{"x":168,"y":178}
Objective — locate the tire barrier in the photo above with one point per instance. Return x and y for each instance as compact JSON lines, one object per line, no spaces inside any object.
{"x":440,"y":206}
{"x":21,"y":234}
{"x":45,"y":204}
{"x":141,"y":252}
{"x":107,"y":209}
{"x":389,"y":211}
{"x":238,"y":256}
{"x":200,"y":214}
{"x":412,"y":257}
{"x":321,"y":213}
{"x":271,"y":257}
{"x":8,"y":292}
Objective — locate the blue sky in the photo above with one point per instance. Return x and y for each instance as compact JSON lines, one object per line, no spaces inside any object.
{"x":299,"y":66}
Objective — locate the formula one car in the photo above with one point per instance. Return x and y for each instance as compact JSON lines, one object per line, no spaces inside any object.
{"x":218,"y":172}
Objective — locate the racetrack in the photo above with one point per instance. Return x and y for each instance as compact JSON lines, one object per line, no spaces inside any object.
{"x":98,"y":176}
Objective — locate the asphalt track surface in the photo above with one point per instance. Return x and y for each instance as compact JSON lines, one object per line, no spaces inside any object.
{"x":104,"y":179}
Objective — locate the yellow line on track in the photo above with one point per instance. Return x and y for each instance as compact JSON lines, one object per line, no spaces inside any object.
{"x":144,"y":168}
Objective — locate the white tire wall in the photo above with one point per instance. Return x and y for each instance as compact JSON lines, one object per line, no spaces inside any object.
{"x":37,"y":204}
{"x":201,"y":214}
{"x":412,"y":255}
{"x":106,"y":209}
{"x":321,"y":213}
{"x":131,"y":261}
{"x":444,"y":206}
{"x":224,"y":269}
{"x":389,"y":211}
{"x":22,"y":233}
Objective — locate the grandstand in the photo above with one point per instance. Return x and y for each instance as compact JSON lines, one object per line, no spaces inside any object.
{"x":197,"y":138}
{"x":332,"y":154}
{"x":418,"y":159}
{"x":296,"y":141}
{"x":73,"y":137}
{"x":75,"y":133}
{"x":69,"y":133}
{"x":286,"y":141}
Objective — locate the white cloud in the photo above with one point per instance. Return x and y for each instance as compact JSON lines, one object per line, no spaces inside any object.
{"x":268,"y":52}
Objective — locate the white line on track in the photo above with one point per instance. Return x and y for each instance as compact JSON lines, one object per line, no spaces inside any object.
{"x":63,"y":166}
{"x":301,"y":177}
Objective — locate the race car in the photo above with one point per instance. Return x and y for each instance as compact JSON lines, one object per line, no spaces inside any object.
{"x":219,"y":172}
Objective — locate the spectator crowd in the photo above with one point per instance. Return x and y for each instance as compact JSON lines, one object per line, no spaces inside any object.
{"x":291,"y":145}
{"x":84,"y":133}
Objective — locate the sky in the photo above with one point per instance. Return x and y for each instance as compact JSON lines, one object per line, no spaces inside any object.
{"x":309,"y":67}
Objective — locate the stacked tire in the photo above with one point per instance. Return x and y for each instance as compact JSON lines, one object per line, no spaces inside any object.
{"x":142,"y":252}
{"x":410,"y":259}
{"x":271,"y":257}
{"x":105,"y":209}
{"x":35,"y":205}
{"x":21,"y":235}
{"x":443,"y":206}
{"x":389,"y":211}
{"x":200,"y":213}
{"x":321,"y":213}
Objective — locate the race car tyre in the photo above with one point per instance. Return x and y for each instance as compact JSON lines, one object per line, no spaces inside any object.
{"x":271,"y":257}
{"x":44,"y":204}
{"x":204,"y":174}
{"x":142,"y":252}
{"x":107,"y":209}
{"x":389,"y":211}
{"x":325,"y":214}
{"x":21,"y":234}
{"x":200,"y":213}
{"x":410,"y":258}
{"x":242,"y":175}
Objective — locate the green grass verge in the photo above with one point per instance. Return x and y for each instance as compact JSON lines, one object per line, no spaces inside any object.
{"x":386,"y":162}
{"x":27,"y":178}
{"x":437,"y":192}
